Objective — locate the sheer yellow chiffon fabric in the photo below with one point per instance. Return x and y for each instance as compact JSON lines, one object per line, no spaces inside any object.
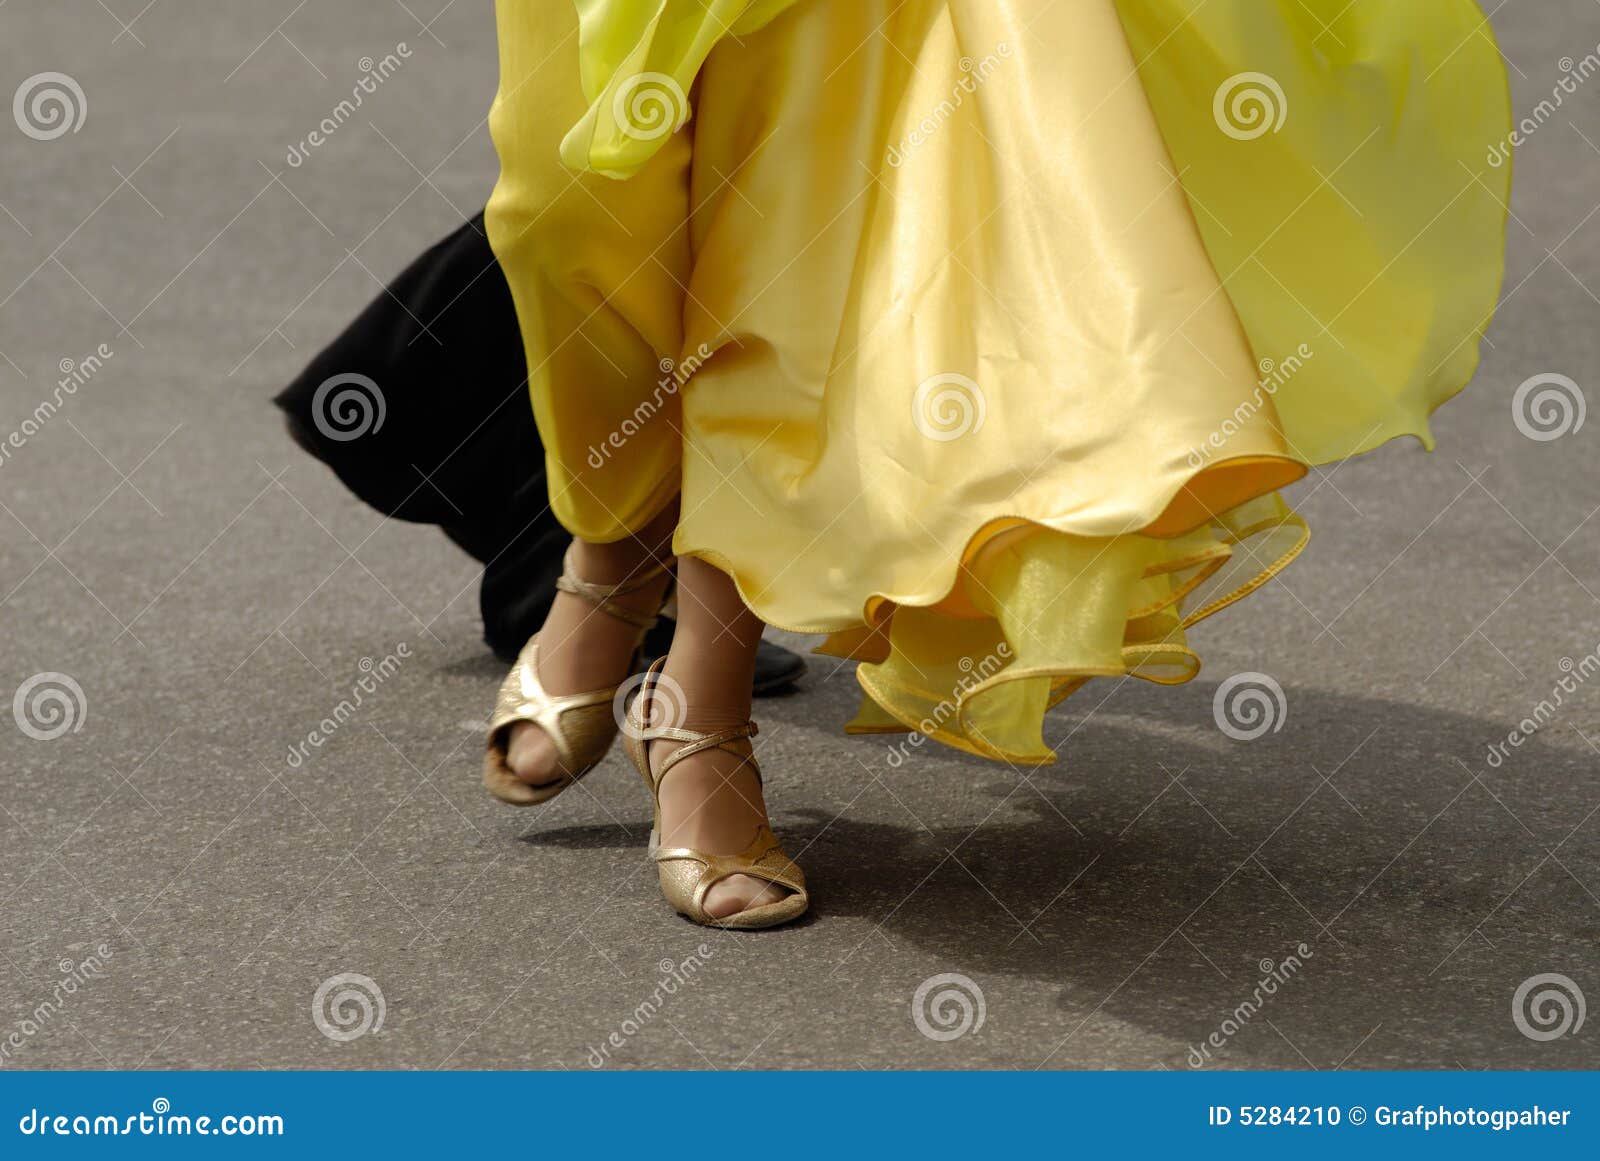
{"x":637,"y":60}
{"x":980,"y":334}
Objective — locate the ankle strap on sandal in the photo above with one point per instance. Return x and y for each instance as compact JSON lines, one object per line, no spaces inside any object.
{"x":695,"y":741}
{"x":698,"y":742}
{"x":603,"y":596}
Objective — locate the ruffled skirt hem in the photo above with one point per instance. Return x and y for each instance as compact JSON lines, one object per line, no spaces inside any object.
{"x":1025,"y":623}
{"x":1155,"y":646}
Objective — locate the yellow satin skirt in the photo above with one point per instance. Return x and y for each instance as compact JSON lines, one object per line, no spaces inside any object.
{"x":980,"y":334}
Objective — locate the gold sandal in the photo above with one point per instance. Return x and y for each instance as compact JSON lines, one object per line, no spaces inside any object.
{"x":581,"y":726}
{"x":687,"y":874}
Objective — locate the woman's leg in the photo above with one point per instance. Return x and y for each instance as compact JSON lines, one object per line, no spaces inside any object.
{"x":581,"y":647}
{"x":712,"y":800}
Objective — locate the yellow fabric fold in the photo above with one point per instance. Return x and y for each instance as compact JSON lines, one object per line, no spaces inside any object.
{"x":980,"y":334}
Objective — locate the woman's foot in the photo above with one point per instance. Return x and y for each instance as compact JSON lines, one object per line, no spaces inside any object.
{"x":711,"y":801}
{"x":606,"y":600}
{"x":584,"y":647}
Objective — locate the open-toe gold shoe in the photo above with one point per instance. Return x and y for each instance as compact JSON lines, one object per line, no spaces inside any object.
{"x":687,"y":874}
{"x":581,"y":726}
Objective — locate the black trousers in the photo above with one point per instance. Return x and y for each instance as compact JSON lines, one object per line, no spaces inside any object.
{"x":449,"y":438}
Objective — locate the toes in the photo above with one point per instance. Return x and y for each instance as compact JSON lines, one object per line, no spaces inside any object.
{"x":739,"y":893}
{"x":531,"y":756}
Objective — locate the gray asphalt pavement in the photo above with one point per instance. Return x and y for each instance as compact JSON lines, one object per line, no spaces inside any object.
{"x":202,"y":595}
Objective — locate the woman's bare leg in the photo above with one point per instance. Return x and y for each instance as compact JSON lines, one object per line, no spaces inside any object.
{"x":712,"y":800}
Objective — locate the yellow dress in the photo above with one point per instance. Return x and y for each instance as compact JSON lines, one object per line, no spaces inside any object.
{"x":980,"y":334}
